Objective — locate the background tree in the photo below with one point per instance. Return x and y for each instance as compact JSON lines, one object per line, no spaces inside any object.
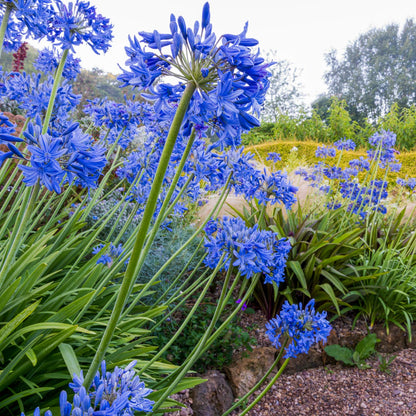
{"x":375,"y":71}
{"x":321,"y":106}
{"x":283,"y":96}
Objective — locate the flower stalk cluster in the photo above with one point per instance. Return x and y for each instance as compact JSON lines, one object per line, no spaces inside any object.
{"x":111,"y":394}
{"x":360,"y":197}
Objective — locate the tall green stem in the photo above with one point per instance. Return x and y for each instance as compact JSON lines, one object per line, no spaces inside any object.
{"x":168,"y":197}
{"x":260,"y":382}
{"x":195,"y":354}
{"x":4,"y":24}
{"x":261,"y":395}
{"x":56,"y":83}
{"x":30,"y":194}
{"x":130,"y":274}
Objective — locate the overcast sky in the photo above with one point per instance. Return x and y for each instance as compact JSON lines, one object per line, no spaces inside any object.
{"x":300,"y":31}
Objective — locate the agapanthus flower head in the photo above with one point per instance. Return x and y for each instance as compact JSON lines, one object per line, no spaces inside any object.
{"x":107,"y":258}
{"x":325,"y":151}
{"x":303,"y":327}
{"x":111,"y":394}
{"x":28,"y":18}
{"x":362,"y":199}
{"x":230,"y":78}
{"x":274,"y":157}
{"x":275,"y":189}
{"x":345,"y":144}
{"x":384,"y":139}
{"x":314,"y":175}
{"x":248,"y":249}
{"x":48,"y":61}
{"x":32,"y":94}
{"x":69,"y":156}
{"x":360,"y":164}
{"x":77,"y":22}
{"x":409,"y":183}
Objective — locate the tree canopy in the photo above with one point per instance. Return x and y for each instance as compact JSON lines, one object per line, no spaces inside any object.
{"x":284,"y":93}
{"x":376,"y":71}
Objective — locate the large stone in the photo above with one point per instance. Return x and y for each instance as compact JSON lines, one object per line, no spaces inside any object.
{"x":411,"y":343}
{"x":246,"y":371}
{"x":394,"y":341}
{"x":213,"y":397}
{"x":314,"y":358}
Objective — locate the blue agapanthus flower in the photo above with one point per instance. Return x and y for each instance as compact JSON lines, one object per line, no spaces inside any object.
{"x":361,"y":199}
{"x":48,"y":61}
{"x":32,"y":94}
{"x":117,"y":393}
{"x":248,"y":180}
{"x":77,"y":22}
{"x":325,"y":151}
{"x":303,"y":327}
{"x":360,"y":164}
{"x":113,"y":253}
{"x":384,"y":139}
{"x":70,"y":156}
{"x":28,"y":18}
{"x":345,"y":144}
{"x":409,"y":183}
{"x":250,"y":250}
{"x":274,"y":157}
{"x":231,"y":80}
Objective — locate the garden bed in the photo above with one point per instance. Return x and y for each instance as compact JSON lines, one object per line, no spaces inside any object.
{"x":315,"y":384}
{"x":339,"y":390}
{"x":335,"y":389}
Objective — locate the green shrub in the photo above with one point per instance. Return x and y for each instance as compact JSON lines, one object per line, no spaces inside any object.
{"x":338,"y":125}
{"x":305,"y":153}
{"x":320,"y":264}
{"x":219,"y":353}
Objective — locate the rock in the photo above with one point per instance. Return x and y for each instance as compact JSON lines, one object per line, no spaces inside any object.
{"x":314,"y":358}
{"x":246,"y":371}
{"x":394,"y":341}
{"x":213,"y":397}
{"x":412,"y":343}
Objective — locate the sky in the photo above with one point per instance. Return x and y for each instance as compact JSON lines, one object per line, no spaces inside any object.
{"x":300,"y":31}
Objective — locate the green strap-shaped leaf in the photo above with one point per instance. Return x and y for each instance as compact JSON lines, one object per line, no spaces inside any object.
{"x":7,"y":293}
{"x":330,"y":292}
{"x":297,"y":269}
{"x":70,"y":358}
{"x":7,"y":329}
{"x":22,"y":394}
{"x":46,"y":326}
{"x":42,"y":349}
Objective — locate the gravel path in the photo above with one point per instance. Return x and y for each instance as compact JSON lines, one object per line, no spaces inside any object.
{"x":337,"y":390}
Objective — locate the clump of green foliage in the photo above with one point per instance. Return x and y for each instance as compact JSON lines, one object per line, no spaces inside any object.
{"x":302,"y":154}
{"x":221,"y":351}
{"x":357,"y":357}
{"x":335,"y":125}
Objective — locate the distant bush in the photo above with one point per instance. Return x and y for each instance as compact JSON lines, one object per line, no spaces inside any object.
{"x":305,"y":154}
{"x":338,"y":125}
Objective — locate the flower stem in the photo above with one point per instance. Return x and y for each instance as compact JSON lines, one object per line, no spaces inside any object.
{"x":56,"y":83}
{"x":130,"y":274}
{"x":196,"y":353}
{"x":267,"y":388}
{"x":260,"y":382}
{"x":4,"y":24}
